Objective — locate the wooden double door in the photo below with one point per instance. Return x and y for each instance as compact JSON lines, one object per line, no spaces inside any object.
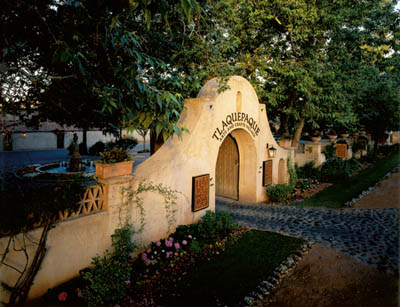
{"x":227,"y":169}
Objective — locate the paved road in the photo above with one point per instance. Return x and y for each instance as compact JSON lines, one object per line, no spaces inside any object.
{"x":371,"y":236}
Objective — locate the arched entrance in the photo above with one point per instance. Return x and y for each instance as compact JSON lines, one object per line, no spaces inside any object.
{"x":236,"y":167}
{"x":227,"y":169}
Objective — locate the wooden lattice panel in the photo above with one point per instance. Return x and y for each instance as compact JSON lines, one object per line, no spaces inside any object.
{"x":92,"y":200}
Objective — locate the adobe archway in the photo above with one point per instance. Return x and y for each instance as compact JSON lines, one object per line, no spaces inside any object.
{"x":210,"y":118}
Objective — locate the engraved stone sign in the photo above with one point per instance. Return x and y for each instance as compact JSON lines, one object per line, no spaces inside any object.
{"x":267,"y":172}
{"x":341,"y":150}
{"x":200,"y":192}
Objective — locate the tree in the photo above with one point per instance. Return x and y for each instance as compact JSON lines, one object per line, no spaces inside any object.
{"x":88,"y":58}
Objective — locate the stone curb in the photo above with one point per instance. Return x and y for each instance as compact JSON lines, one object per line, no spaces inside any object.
{"x":351,"y":202}
{"x":266,"y":288}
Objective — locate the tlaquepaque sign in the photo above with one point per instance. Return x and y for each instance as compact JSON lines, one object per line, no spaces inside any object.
{"x":233,"y":121}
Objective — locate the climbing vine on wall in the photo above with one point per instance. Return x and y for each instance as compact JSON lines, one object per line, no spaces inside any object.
{"x":134,"y":196}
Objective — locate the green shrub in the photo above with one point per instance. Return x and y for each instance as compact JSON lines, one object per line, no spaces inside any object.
{"x":117,"y":154}
{"x":336,"y":169}
{"x":97,"y":148}
{"x":211,"y":227}
{"x":303,"y":184}
{"x":279,"y":192}
{"x":330,"y":151}
{"x":109,"y":277}
{"x":22,"y":208}
{"x":308,"y":171}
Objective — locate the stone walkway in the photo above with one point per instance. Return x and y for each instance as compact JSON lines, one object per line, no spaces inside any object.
{"x":370,"y":236}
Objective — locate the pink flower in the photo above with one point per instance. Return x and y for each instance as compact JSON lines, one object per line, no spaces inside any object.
{"x":144,"y":256}
{"x":158,"y":243}
{"x":171,"y":239}
{"x":176,"y":254}
{"x":168,"y":254}
{"x":149,"y":250}
{"x":190,"y":236}
{"x":168,"y":243}
{"x":127,"y":282}
{"x":177,"y":245}
{"x":184,"y":242}
{"x":62,"y":297}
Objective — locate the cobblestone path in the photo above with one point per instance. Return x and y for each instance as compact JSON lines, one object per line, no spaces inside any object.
{"x":371,"y":236}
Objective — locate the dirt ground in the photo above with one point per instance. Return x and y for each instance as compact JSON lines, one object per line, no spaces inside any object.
{"x":327,"y":278}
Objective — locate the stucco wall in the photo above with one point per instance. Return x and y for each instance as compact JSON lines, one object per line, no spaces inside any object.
{"x":48,"y":140}
{"x":72,"y":243}
{"x":312,"y":152}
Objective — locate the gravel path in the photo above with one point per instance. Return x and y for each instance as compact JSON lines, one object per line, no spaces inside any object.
{"x":370,"y":236}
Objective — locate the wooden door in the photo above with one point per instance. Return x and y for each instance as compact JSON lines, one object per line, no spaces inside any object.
{"x":227,"y":169}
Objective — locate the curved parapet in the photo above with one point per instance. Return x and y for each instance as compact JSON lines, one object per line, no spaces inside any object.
{"x":211,"y":118}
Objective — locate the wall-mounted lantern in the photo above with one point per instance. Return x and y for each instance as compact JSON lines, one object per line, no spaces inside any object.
{"x":271,"y":151}
{"x":23,"y":134}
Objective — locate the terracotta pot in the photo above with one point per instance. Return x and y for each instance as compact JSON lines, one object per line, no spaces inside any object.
{"x":316,"y":139}
{"x":104,"y":171}
{"x":354,"y":134}
{"x":332,"y":137}
{"x":344,"y":135}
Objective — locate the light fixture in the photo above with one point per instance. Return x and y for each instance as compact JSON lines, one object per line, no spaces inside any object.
{"x":23,"y":134}
{"x":271,"y":151}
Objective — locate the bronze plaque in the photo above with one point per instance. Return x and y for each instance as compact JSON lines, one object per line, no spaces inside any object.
{"x":363,"y":144}
{"x":267,"y":172}
{"x":200,"y":192}
{"x":341,"y":151}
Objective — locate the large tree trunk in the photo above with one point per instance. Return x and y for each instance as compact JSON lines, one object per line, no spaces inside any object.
{"x":284,"y":127}
{"x":155,"y":142}
{"x":297,"y":134}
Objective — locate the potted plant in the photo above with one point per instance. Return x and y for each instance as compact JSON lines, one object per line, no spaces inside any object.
{"x":344,"y":134}
{"x":316,"y":137}
{"x":332,"y":135}
{"x":114,"y":163}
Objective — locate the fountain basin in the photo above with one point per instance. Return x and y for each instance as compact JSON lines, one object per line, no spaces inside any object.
{"x":57,"y":171}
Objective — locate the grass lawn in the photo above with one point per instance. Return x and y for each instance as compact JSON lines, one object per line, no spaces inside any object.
{"x":230,"y":276}
{"x":336,"y":195}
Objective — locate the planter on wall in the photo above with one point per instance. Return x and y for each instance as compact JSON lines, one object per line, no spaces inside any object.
{"x":332,"y":137}
{"x":344,"y":135}
{"x":316,"y":139}
{"x":105,"y":171}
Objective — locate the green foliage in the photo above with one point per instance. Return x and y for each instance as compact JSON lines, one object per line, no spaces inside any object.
{"x":114,"y":155}
{"x":337,"y":170}
{"x":22,"y":209}
{"x":329,"y":151}
{"x":107,"y":278}
{"x":97,"y":148}
{"x":338,"y":194}
{"x":125,"y":143}
{"x":279,"y":192}
{"x":214,"y":226}
{"x":292,"y":174}
{"x":308,"y":171}
{"x":229,"y":277}
{"x":304,"y":184}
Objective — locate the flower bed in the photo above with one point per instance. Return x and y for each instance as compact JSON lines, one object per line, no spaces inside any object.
{"x":209,"y":263}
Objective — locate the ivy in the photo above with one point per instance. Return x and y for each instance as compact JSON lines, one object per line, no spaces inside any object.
{"x":133,"y":196}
